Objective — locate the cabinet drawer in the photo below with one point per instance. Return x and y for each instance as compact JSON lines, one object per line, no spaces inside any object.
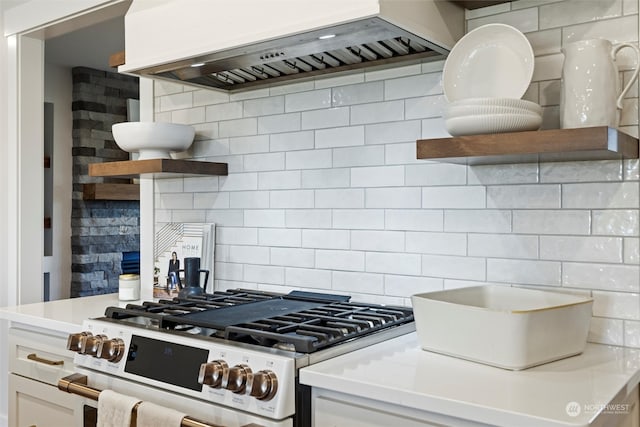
{"x":39,"y":356}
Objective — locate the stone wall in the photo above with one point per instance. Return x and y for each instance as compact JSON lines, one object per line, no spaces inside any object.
{"x":101,"y":230}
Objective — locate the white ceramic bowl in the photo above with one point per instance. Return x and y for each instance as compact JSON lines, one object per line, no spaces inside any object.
{"x":480,"y":110}
{"x":152,"y":140}
{"x":495,"y":60}
{"x":498,"y":102}
{"x":492,"y":123}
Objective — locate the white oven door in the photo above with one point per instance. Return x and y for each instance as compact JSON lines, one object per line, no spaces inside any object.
{"x":210,"y":413}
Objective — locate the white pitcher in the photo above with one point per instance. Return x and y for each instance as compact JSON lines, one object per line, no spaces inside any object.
{"x":590,"y":84}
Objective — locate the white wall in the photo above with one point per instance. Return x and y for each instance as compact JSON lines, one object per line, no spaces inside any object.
{"x":324,"y":191}
{"x":58,"y":88}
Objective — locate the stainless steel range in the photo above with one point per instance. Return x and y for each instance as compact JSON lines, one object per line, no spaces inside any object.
{"x":229,"y":358}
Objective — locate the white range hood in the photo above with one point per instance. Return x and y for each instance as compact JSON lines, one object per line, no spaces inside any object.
{"x":240,"y":44}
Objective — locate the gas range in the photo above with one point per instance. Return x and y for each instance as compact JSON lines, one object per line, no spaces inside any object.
{"x":240,"y":349}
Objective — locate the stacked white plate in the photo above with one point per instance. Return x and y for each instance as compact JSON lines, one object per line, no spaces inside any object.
{"x":485,"y":76}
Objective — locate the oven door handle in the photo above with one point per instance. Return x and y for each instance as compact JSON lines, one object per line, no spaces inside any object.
{"x":77,"y":384}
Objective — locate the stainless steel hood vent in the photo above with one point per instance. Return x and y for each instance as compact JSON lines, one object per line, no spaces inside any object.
{"x":366,"y":42}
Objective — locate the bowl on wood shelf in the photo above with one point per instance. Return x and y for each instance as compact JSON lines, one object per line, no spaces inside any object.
{"x":153,"y":140}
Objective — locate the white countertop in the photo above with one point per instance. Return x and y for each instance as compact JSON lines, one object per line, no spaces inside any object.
{"x":62,"y":315}
{"x":401,"y":373}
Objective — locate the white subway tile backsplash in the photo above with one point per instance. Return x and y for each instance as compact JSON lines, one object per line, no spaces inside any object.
{"x":290,"y":237}
{"x":236,"y":236}
{"x":525,"y":20}
{"x":294,"y":257}
{"x":279,"y":123}
{"x":249,"y":144}
{"x":239,"y":127}
{"x":291,"y":141}
{"x":393,"y":263}
{"x":503,"y":246}
{"x":601,"y":195}
{"x":358,"y":156}
{"x":326,"y":239}
{"x":326,"y":178}
{"x":525,"y":173}
{"x":424,"y":107}
{"x":264,"y":274}
{"x":339,"y":198}
{"x":279,"y":180}
{"x":263,"y":106}
{"x":313,"y":100}
{"x":606,"y":170}
{"x":616,"y":222}
{"x":454,"y":197}
{"x":264,"y":162}
{"x":364,"y":283}
{"x":328,"y":118}
{"x":563,"y":14}
{"x":308,"y":218}
{"x":552,"y":222}
{"x":264,"y":218}
{"x":358,"y":219}
{"x":385,"y":133}
{"x":396,"y":197}
{"x":437,"y":243}
{"x":525,"y":272}
{"x":308,"y":159}
{"x":631,"y":251}
{"x":410,"y":87}
{"x":406,"y":286}
{"x":377,"y":176}
{"x":340,"y":260}
{"x":414,"y":219}
{"x":248,"y":199}
{"x":377,"y":112}
{"x":523,"y":196}
{"x":479,"y":221}
{"x":616,"y":305}
{"x":227,"y":111}
{"x":325,"y":191}
{"x":307,"y":277}
{"x":606,"y":331}
{"x":433,"y":174}
{"x":454,"y":267}
{"x":291,"y":199}
{"x":382,"y":241}
{"x":357,"y":94}
{"x":610,"y":277}
{"x":340,"y":137}
{"x":578,"y":248}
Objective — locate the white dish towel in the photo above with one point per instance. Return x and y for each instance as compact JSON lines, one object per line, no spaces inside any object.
{"x":114,"y":409}
{"x":152,"y":415}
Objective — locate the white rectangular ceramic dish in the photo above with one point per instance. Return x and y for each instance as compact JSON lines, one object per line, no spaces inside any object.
{"x":511,"y":328}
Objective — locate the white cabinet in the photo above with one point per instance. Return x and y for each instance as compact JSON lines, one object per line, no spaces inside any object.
{"x":37,"y":359}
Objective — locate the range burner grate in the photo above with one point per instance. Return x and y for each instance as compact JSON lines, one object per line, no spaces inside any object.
{"x":300,"y":321}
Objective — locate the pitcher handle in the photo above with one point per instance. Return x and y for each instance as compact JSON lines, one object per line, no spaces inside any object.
{"x":634,"y":76}
{"x":206,"y":278}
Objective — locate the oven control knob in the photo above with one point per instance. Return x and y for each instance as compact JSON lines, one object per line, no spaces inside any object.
{"x":111,"y":349}
{"x":91,"y":344}
{"x":237,"y":379}
{"x":74,"y":341}
{"x":264,"y":385}
{"x":211,"y":373}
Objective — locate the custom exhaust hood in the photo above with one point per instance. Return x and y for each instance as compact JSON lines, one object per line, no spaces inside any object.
{"x":236,"y":45}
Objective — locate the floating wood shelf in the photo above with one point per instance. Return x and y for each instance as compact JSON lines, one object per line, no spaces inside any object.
{"x":108,"y":191}
{"x":476,"y":4}
{"x":47,"y":223}
{"x":47,"y":162}
{"x":556,"y":145}
{"x":157,"y":168}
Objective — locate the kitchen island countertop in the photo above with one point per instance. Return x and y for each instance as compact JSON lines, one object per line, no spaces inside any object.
{"x":398,"y":372}
{"x":64,"y":315}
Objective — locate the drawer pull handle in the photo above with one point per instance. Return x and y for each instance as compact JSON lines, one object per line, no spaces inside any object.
{"x":35,"y":358}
